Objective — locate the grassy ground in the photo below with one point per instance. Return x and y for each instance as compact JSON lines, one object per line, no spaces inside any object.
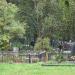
{"x":35,"y":69}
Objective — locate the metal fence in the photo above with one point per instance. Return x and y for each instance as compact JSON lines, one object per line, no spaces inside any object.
{"x":27,"y":57}
{"x":21,"y":57}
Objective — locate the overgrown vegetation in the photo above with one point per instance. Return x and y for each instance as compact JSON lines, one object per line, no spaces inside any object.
{"x":33,"y":20}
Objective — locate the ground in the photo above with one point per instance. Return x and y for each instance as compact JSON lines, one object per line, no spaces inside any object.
{"x":35,"y":69}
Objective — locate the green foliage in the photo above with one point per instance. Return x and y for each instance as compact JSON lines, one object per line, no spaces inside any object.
{"x":46,"y":18}
{"x":43,"y":44}
{"x":59,"y":58}
{"x":4,"y":42}
{"x":10,"y":27}
{"x":17,"y":29}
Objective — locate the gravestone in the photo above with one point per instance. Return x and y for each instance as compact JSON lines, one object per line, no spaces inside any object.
{"x":15,"y":51}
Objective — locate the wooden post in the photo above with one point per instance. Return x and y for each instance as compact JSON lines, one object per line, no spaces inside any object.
{"x":46,"y":56}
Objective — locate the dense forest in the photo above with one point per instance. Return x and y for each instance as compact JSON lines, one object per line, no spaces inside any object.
{"x":35,"y":22}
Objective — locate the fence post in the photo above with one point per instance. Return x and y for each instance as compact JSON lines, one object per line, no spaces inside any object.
{"x":2,"y":56}
{"x":29,"y":58}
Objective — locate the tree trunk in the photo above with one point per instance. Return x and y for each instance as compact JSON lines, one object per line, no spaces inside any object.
{"x":46,"y":56}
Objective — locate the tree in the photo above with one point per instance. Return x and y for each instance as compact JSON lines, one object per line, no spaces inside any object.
{"x":43,"y":44}
{"x":9,"y":26}
{"x":60,"y":12}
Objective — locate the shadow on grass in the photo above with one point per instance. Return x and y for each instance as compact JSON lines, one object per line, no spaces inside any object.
{"x":73,"y":65}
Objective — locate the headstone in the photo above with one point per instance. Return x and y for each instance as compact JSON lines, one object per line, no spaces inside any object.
{"x":15,"y":51}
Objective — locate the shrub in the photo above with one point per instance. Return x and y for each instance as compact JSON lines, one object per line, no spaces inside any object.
{"x":43,"y":44}
{"x":59,"y":58}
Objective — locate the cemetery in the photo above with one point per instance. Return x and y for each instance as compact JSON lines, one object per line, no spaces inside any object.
{"x":37,"y":37}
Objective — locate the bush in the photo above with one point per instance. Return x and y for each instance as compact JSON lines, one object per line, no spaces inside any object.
{"x":59,"y":58}
{"x":43,"y":44}
{"x":4,"y":42}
